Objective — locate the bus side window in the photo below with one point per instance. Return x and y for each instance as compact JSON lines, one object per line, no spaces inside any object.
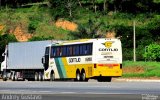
{"x":89,"y":49}
{"x":81,"y":50}
{"x":76,"y":50}
{"x":64,"y":51}
{"x":71,"y":50}
{"x":68,"y":51}
{"x":60,"y":51}
{"x":85,"y":49}
{"x":52,"y":52}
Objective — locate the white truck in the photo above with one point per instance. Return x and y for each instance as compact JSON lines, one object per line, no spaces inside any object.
{"x":22,"y":60}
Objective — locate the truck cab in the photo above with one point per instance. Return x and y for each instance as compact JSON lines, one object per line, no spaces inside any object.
{"x":4,"y":64}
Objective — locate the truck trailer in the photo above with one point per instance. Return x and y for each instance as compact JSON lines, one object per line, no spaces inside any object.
{"x":22,"y":60}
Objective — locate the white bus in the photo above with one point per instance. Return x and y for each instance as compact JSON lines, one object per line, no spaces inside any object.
{"x":81,"y":60}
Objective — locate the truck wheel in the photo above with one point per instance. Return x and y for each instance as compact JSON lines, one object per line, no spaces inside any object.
{"x":36,"y":76}
{"x":40,"y":76}
{"x":4,"y":76}
{"x":43,"y":77}
{"x":15,"y":76}
{"x":4,"y":79}
{"x":12,"y":77}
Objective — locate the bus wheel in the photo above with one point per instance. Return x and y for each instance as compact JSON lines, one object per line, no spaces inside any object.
{"x":83,"y":76}
{"x":36,"y":76}
{"x":78,"y":76}
{"x":52,"y":76}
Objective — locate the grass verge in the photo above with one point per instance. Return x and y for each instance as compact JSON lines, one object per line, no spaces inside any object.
{"x":141,"y":69}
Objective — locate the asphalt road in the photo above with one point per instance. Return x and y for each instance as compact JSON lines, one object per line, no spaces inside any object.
{"x":28,"y":90}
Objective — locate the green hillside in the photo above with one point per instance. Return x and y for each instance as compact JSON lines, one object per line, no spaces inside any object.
{"x":94,"y":19}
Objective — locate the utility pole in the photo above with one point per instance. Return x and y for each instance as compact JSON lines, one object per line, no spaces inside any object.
{"x":134,"y":42}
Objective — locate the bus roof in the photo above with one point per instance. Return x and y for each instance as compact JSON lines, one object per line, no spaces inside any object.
{"x":82,"y":41}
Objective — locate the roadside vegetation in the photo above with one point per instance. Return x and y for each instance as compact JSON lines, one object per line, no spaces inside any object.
{"x":141,"y":69}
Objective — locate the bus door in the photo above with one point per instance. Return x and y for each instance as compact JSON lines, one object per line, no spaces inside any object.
{"x":46,"y":59}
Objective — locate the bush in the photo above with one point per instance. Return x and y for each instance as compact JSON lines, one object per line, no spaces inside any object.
{"x":32,"y":26}
{"x":152,"y":52}
{"x":38,"y":38}
{"x":4,"y":40}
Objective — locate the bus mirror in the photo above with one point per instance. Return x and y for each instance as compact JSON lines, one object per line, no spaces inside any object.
{"x":3,"y":54}
{"x":43,"y":60}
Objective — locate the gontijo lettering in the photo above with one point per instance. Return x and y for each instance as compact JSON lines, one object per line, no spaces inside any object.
{"x":108,"y":49}
{"x":71,"y":60}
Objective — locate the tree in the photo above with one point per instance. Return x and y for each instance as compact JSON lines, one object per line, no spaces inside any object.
{"x":156,"y":1}
{"x":89,"y":30}
{"x":63,"y":8}
{"x":70,"y":5}
{"x":4,"y":40}
{"x":152,"y":52}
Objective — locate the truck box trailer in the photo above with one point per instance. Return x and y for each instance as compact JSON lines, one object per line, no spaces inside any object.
{"x":22,"y":60}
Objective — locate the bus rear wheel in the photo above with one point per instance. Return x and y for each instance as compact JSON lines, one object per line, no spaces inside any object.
{"x":78,"y":76}
{"x":83,"y":77}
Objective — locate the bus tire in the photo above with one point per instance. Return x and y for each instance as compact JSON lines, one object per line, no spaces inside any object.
{"x":36,"y":76}
{"x":78,"y":76}
{"x":83,"y":77}
{"x":52,"y":76}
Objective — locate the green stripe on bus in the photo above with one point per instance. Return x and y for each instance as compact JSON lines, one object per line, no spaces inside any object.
{"x":60,"y":67}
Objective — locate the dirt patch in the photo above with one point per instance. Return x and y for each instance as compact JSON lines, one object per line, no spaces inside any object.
{"x":21,"y":35}
{"x":67,"y":25}
{"x":137,"y":69}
